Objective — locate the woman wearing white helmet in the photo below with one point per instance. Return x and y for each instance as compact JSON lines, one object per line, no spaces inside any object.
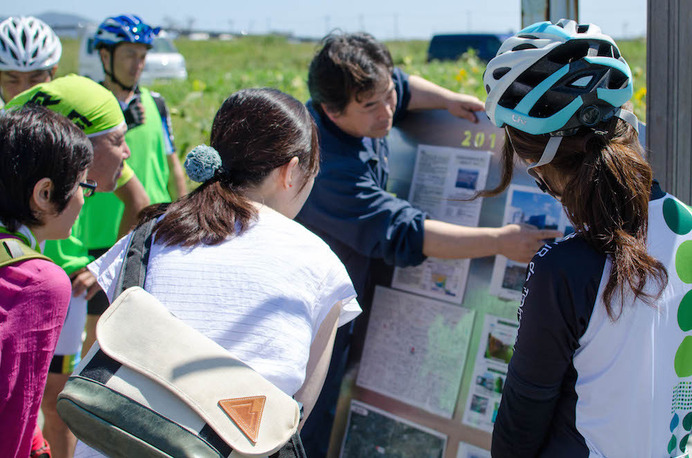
{"x":29,"y":54}
{"x":602,"y":364}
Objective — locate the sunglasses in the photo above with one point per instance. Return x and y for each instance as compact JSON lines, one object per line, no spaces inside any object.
{"x":88,"y":187}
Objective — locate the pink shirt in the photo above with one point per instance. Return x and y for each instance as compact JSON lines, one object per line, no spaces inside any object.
{"x":34,"y":296}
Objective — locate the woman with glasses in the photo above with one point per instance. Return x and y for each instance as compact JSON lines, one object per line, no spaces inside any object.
{"x":43,"y":165}
{"x":95,"y":110}
{"x":602,"y":363}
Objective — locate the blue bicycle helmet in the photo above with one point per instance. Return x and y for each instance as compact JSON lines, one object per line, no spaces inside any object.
{"x":555,"y":79}
{"x":127,"y":28}
{"x":116,"y":30}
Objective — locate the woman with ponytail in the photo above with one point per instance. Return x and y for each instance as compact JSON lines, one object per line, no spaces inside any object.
{"x":602,"y":364}
{"x":229,"y":260}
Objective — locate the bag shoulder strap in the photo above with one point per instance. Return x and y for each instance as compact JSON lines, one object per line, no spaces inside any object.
{"x":13,"y":251}
{"x":134,"y":268}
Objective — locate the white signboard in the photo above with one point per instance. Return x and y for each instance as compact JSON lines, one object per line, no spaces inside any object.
{"x":415,"y":350}
{"x":490,"y":372}
{"x":471,"y":451}
{"x":525,"y":205}
{"x":444,"y":181}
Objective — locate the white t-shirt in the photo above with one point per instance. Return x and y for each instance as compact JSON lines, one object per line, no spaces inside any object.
{"x":261,"y":295}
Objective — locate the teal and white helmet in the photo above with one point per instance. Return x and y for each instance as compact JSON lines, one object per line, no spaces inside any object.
{"x":28,"y":44}
{"x":554,"y":78}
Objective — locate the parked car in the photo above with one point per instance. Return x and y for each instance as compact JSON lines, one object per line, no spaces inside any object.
{"x":163,"y":60}
{"x":452,"y":46}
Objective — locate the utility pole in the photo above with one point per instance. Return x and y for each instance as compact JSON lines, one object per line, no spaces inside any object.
{"x":669,"y":94}
{"x":548,"y":10}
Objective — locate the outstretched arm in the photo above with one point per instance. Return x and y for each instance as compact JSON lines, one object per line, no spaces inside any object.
{"x":426,"y":95}
{"x":451,"y":241}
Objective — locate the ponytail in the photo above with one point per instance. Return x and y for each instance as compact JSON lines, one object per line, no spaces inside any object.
{"x":608,"y":202}
{"x":254,"y":132}
{"x":207,"y":215}
{"x":606,"y":198}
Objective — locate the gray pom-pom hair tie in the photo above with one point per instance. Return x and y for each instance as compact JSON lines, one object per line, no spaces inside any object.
{"x":202,"y":163}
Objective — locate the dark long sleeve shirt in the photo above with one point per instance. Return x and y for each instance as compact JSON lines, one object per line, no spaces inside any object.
{"x":349,"y":206}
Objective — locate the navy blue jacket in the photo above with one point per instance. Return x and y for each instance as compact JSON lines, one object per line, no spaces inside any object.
{"x":349,"y":207}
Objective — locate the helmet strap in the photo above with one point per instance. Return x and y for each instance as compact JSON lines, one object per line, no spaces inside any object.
{"x":548,"y":153}
{"x":554,"y":142}
{"x":629,"y":117}
{"x":111,"y":74}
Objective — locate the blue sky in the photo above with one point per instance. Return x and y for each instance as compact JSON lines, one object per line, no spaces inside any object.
{"x":313,"y":18}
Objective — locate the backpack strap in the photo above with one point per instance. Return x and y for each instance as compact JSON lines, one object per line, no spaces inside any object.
{"x":134,"y":268}
{"x":13,"y":251}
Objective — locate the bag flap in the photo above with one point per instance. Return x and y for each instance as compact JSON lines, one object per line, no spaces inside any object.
{"x":247,"y":411}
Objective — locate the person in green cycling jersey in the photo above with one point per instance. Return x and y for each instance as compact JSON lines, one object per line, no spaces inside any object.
{"x":123,"y":42}
{"x":96,"y":111}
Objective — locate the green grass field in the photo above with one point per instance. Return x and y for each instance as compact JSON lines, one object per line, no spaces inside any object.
{"x":218,"y":68}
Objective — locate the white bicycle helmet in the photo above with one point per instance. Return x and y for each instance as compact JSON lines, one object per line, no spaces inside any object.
{"x":555,"y":79}
{"x":28,"y":44}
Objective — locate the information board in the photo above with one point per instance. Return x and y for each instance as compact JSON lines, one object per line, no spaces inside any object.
{"x":436,"y":160}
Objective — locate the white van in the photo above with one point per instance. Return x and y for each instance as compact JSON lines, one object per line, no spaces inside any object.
{"x":163,"y":60}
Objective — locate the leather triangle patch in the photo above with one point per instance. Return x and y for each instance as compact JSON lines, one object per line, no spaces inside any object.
{"x":246,"y":413}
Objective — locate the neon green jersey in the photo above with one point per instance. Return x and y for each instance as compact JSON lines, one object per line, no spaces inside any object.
{"x":101,"y":215}
{"x":71,"y":253}
{"x":95,"y":110}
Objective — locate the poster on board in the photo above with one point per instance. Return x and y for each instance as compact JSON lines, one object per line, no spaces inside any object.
{"x":415,"y":350}
{"x":471,"y":451}
{"x":490,"y":372}
{"x":444,"y":181}
{"x":525,"y":205}
{"x":373,"y":432}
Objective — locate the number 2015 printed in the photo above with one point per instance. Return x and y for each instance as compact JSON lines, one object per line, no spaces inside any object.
{"x":478,"y":139}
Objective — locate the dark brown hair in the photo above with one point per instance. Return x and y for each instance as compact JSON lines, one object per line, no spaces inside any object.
{"x":606,"y":196}
{"x":255,"y":131}
{"x":37,"y":143}
{"x":347,"y":67}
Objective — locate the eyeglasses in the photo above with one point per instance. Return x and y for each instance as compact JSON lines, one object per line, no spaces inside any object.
{"x":88,"y":187}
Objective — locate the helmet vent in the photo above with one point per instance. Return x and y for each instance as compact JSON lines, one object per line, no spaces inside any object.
{"x":528,"y":37}
{"x":581,"y":82}
{"x":583,"y":28}
{"x":500,"y":72}
{"x":607,"y":50}
{"x":569,"y":52}
{"x":617,"y":80}
{"x":524,"y":46}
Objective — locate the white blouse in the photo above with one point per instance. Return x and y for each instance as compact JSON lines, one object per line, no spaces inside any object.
{"x":261,"y":295}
